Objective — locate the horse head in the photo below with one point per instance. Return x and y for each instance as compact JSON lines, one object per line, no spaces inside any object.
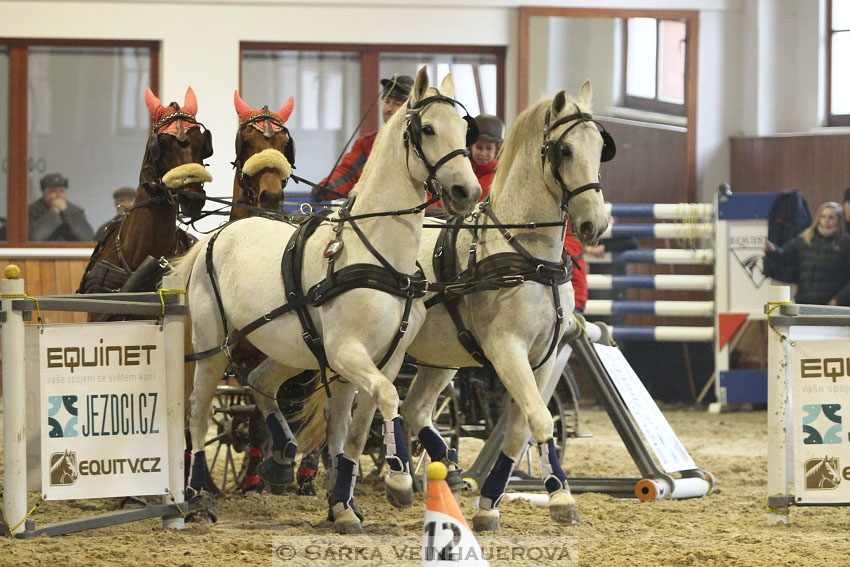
{"x":436,"y":139}
{"x":265,"y":154}
{"x":574,"y":145}
{"x":175,"y":154}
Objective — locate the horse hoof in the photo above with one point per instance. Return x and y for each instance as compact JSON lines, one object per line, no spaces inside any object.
{"x":400,"y":490}
{"x":348,"y":523}
{"x":274,"y":473}
{"x":562,"y":508}
{"x":486,"y":521}
{"x":454,"y":479}
{"x":201,"y":507}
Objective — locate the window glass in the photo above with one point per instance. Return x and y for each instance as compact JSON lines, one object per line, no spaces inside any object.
{"x":87,"y":122}
{"x":841,"y":14}
{"x":4,"y":141}
{"x":474,"y":75}
{"x":326,"y":87}
{"x":840,"y":78}
{"x":671,"y":82}
{"x":642,"y":57}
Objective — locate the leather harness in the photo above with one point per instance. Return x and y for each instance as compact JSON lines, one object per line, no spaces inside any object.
{"x":499,"y":271}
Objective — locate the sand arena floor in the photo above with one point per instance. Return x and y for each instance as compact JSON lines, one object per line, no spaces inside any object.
{"x":724,"y":529}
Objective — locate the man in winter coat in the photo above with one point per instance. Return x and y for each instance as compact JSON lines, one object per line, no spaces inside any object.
{"x":53,"y":218}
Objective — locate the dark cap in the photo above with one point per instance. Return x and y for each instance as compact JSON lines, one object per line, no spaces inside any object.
{"x":398,"y":86}
{"x":847,"y":195}
{"x":490,"y":128}
{"x":53,"y":180}
{"x":124,"y":192}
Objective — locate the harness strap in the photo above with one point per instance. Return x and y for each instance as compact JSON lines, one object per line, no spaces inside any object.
{"x":499,"y":271}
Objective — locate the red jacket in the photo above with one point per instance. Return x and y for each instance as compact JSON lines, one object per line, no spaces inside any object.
{"x":344,"y":176}
{"x":485,"y":174}
{"x":576,"y":250}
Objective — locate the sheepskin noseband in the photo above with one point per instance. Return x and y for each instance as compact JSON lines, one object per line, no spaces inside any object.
{"x":185,"y":174}
{"x":268,"y":158}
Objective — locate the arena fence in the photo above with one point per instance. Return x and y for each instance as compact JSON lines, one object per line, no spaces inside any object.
{"x":78,"y":419}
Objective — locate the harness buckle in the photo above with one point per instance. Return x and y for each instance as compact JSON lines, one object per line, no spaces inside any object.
{"x":438,"y":252}
{"x":473,"y":247}
{"x":402,"y":328}
{"x":163,"y":262}
{"x":406,"y":286}
{"x":515,"y":278}
{"x":508,"y":235}
{"x":559,"y":312}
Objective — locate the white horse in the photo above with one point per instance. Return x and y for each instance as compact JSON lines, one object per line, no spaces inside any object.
{"x":519,"y":324}
{"x":423,"y":144}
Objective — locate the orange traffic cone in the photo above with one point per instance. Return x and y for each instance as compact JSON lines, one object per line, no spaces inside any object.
{"x":448,"y":539}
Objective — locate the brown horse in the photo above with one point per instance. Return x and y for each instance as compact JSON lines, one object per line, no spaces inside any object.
{"x":171,"y":181}
{"x":265,"y":154}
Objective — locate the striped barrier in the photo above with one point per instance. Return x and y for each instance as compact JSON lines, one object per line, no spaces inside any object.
{"x":692,"y":223}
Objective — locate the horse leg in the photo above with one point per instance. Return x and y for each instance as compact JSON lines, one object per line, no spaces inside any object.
{"x":418,"y":409}
{"x":208,"y":373}
{"x":342,"y":510}
{"x":278,"y":471}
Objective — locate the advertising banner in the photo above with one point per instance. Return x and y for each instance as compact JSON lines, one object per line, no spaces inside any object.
{"x":671,"y":454}
{"x":820,"y":394}
{"x":102,"y":391}
{"x":747,"y":287}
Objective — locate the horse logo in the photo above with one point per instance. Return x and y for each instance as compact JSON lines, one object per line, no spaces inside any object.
{"x":63,"y":468}
{"x":822,"y":474}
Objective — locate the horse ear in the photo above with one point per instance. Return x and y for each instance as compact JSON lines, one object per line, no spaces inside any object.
{"x":585,"y":94}
{"x":420,"y":86}
{"x":241,"y":106}
{"x":152,"y":101}
{"x":286,"y":110}
{"x":559,"y":102}
{"x":190,"y":102}
{"x":447,"y":88}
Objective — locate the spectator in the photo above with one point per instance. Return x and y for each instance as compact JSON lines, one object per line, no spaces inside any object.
{"x":820,"y":259}
{"x":846,"y":206}
{"x":53,"y":218}
{"x":123,"y":197}
{"x":344,"y":176}
{"x":491,"y":134}
{"x":3,"y":233}
{"x":576,"y":252}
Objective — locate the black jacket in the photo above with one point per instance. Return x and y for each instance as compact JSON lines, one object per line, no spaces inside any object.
{"x":821,"y":269}
{"x":47,"y":224}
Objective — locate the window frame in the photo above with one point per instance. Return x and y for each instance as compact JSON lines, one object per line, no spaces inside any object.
{"x":832,"y":119}
{"x":654,"y":104}
{"x":370,"y":58}
{"x":17,"y":199}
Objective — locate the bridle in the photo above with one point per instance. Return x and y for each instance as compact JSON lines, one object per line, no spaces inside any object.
{"x":413,"y":139}
{"x":244,"y":180}
{"x":554,"y":151}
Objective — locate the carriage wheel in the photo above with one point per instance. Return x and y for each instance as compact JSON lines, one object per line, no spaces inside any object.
{"x":228,"y":446}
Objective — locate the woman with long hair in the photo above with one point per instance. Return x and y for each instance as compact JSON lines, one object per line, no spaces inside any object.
{"x":820,"y":258}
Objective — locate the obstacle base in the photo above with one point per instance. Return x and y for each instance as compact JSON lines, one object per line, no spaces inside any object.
{"x":102,"y":520}
{"x":655,"y":484}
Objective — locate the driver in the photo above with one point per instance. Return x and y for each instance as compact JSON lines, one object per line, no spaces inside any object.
{"x":344,"y":176}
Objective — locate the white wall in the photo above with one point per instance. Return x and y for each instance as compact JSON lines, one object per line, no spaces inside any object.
{"x":758,"y":62}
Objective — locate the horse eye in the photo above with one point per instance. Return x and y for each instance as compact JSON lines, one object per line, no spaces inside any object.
{"x":566,"y":152}
{"x":428,"y":130}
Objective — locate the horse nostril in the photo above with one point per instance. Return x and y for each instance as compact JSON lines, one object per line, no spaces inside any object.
{"x":587,"y":230}
{"x":459,"y":192}
{"x":269,"y":200}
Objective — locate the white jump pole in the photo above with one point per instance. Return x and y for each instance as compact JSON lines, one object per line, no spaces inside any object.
{"x":778,"y":354}
{"x":14,"y":405}
{"x":173,"y":327}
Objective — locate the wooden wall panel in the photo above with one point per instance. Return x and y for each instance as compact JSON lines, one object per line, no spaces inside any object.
{"x":51,"y":277}
{"x":650,"y":166}
{"x":818,"y":165}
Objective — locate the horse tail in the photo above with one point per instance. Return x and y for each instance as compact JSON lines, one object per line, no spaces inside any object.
{"x":313,"y":430}
{"x":181,"y":266}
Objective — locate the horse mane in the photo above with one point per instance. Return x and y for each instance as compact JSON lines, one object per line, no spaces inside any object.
{"x":526,"y":129}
